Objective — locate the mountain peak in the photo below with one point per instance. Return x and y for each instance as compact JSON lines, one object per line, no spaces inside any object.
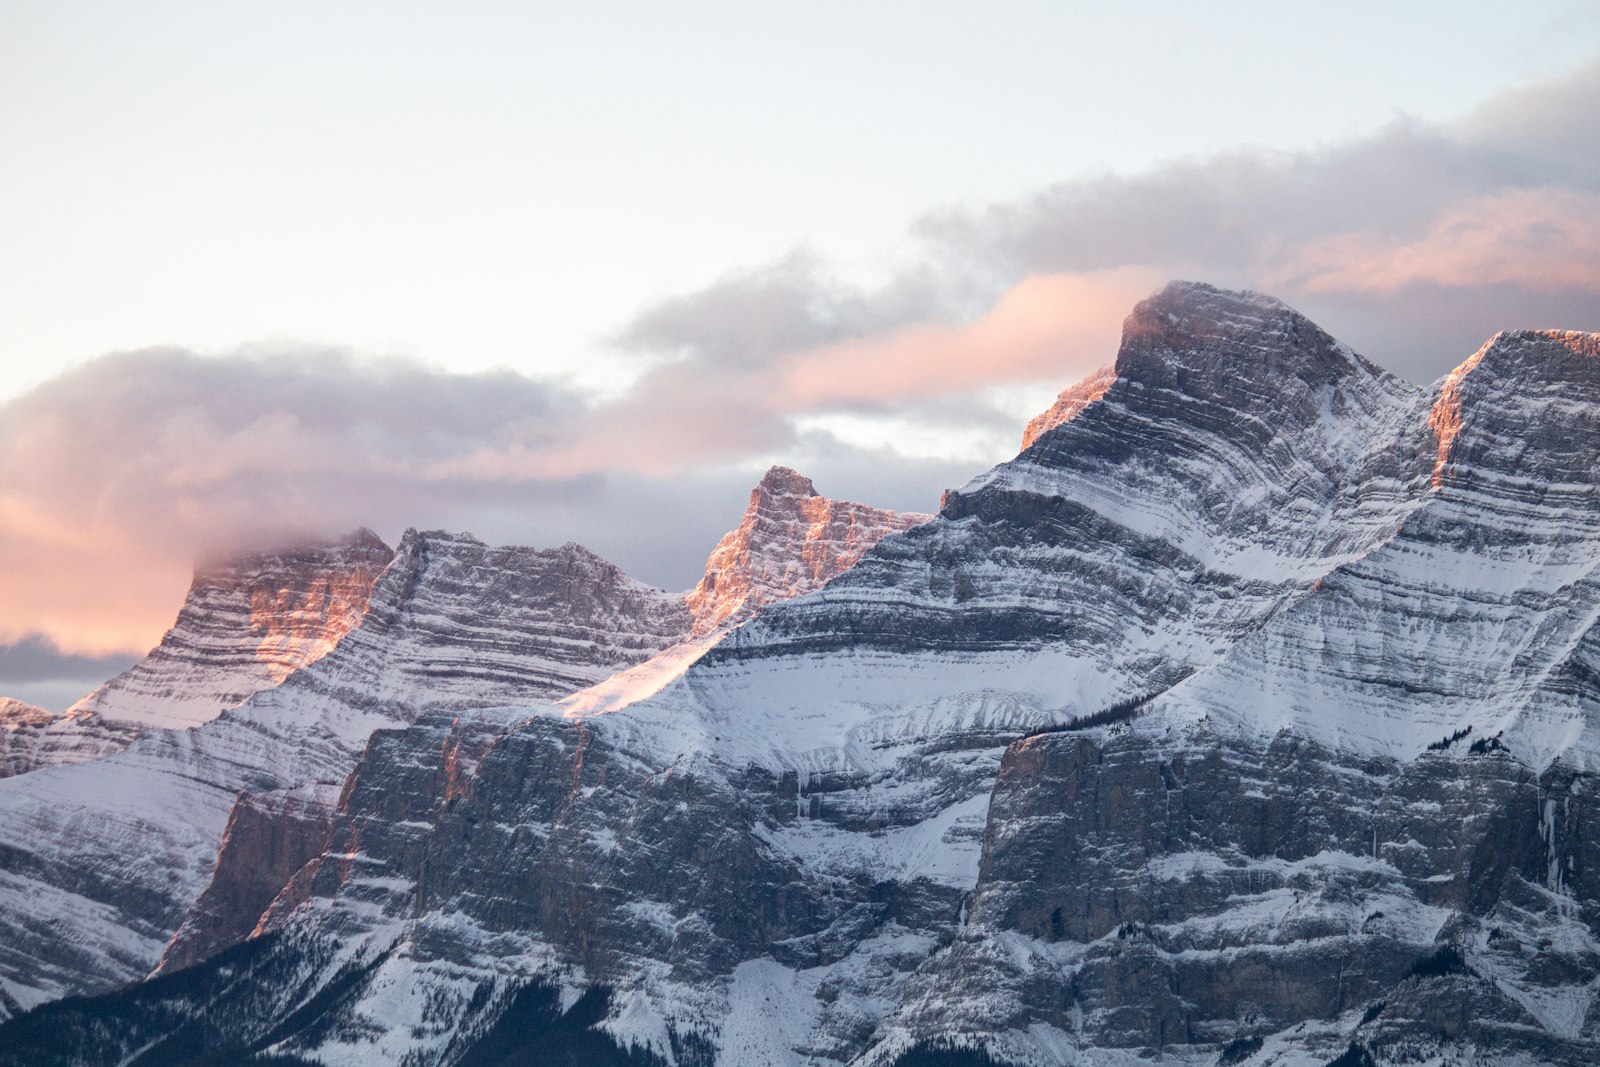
{"x":786,"y":481}
{"x":363,"y":537}
{"x":1073,"y":399}
{"x":1556,"y":357}
{"x":792,"y":540}
{"x":1188,"y":297}
{"x":1239,"y":348}
{"x":1538,"y":374}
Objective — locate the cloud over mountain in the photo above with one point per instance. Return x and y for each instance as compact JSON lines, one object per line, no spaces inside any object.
{"x":1413,"y":243}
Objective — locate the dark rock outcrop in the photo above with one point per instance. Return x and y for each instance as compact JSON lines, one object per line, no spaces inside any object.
{"x":269,"y":837}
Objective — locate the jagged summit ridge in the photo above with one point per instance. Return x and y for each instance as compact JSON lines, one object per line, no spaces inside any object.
{"x":841,"y":748}
{"x":1230,"y":345}
{"x":17,"y":713}
{"x":791,"y":540}
{"x":1071,"y":400}
{"x":448,"y":623}
{"x":782,"y":481}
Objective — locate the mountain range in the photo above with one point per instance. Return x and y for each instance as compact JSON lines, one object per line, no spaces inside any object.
{"x":1247,"y":716}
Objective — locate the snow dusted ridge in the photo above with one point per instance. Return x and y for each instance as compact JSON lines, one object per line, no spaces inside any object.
{"x":32,"y":737}
{"x":450,"y":623}
{"x":1244,"y":718}
{"x":1481,"y":611}
{"x":121,"y":847}
{"x":246,"y":625}
{"x":792,"y":540}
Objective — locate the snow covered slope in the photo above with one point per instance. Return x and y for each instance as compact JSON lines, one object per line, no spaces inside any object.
{"x":451,"y":623}
{"x":1481,"y":611}
{"x":803,"y":809}
{"x":1363,"y":833}
{"x":101,"y":860}
{"x":32,"y":737}
{"x":245,"y":625}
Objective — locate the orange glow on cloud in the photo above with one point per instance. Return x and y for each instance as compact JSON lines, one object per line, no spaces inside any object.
{"x":1533,"y":237}
{"x":1056,"y":327}
{"x":114,"y":479}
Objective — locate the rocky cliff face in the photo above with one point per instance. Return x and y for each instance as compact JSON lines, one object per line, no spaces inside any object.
{"x":269,"y":837}
{"x":1147,"y":890}
{"x":1243,"y":718}
{"x":792,"y":540}
{"x":450,"y":624}
{"x":245,"y":626}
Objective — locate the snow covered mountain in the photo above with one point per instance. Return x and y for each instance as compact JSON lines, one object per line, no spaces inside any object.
{"x":102,"y":860}
{"x":246,"y":624}
{"x":1244,"y":718}
{"x":449,"y":623}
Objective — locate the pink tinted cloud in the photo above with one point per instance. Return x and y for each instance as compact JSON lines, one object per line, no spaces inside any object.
{"x":679,"y":415}
{"x":1053,"y":327}
{"x":1542,"y":238}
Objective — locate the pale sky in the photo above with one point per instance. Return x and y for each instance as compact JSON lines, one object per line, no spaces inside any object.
{"x":506,"y":184}
{"x":579,"y":272}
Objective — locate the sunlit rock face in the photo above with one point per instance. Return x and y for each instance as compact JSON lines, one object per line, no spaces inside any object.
{"x":792,"y":540}
{"x":269,"y":836}
{"x":1072,"y":400}
{"x":1244,"y":718}
{"x":246,"y":625}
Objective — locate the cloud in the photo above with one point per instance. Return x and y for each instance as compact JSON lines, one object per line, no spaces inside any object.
{"x":1413,"y":243}
{"x":1056,"y":327}
{"x":757,"y":314}
{"x":1384,"y":239}
{"x":117,"y":476}
{"x":35,"y":671}
{"x":35,"y":658}
{"x":1546,"y":238}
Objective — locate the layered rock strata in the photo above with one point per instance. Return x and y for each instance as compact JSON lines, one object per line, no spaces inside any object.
{"x":1245,"y":718}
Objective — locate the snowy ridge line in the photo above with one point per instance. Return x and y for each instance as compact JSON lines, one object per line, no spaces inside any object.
{"x":832,"y":808}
